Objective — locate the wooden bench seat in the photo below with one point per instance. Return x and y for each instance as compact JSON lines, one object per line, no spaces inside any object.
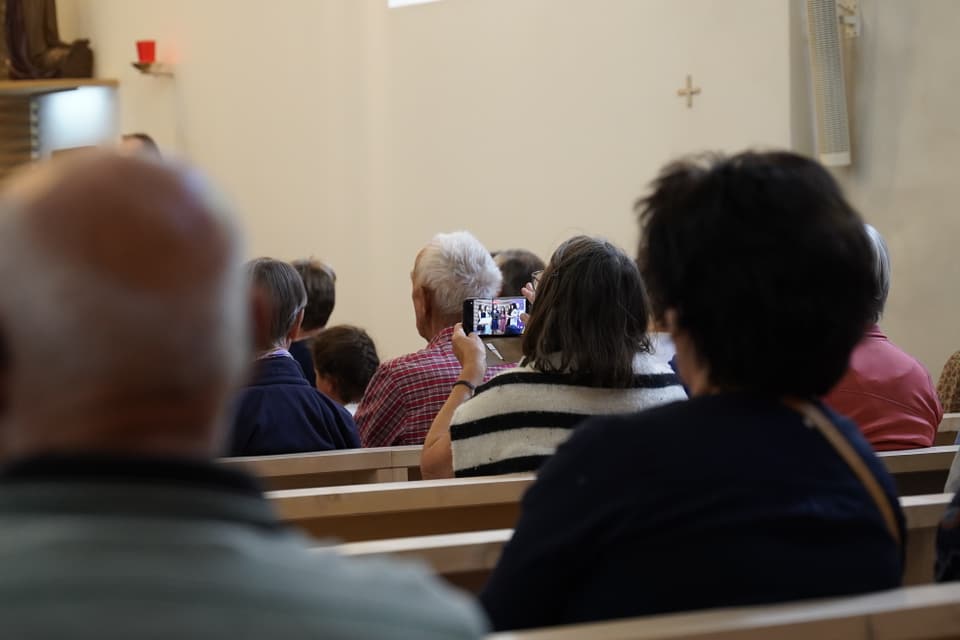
{"x":466,"y":558}
{"x":918,"y":471}
{"x":332,"y":468}
{"x":949,"y":426}
{"x":930,"y":611}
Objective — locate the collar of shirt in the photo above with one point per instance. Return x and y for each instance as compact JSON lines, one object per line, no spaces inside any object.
{"x":276,"y":353}
{"x":444,"y":337}
{"x":133,"y":486}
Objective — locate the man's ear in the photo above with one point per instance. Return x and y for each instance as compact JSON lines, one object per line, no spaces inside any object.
{"x":426,"y":299}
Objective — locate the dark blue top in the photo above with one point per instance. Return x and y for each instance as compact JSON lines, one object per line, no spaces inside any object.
{"x":718,"y":501}
{"x":280,"y":412}
{"x":300,"y":350}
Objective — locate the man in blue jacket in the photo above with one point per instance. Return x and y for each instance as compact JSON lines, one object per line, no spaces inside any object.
{"x":280,"y":412}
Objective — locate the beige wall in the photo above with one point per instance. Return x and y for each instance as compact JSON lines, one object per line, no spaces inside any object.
{"x":906,"y":173}
{"x":351,"y":132}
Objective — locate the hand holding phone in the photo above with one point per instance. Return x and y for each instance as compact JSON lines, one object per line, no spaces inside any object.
{"x":471,"y":354}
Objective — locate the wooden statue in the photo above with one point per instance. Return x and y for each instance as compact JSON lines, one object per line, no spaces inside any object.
{"x":30,"y":44}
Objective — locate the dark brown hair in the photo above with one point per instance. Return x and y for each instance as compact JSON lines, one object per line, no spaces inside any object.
{"x":590,"y":316}
{"x":517,"y":267}
{"x":347,"y":356}
{"x":283,"y":289}
{"x":765,"y":264}
{"x":320,"y":282}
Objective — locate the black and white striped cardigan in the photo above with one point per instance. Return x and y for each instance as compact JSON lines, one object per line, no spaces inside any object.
{"x":519,"y":418}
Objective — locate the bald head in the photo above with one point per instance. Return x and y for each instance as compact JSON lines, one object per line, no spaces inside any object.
{"x":126,"y":312}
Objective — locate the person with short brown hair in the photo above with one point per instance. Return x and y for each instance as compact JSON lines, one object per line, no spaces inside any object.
{"x":345,"y":358}
{"x":320,"y":282}
{"x":517,"y":267}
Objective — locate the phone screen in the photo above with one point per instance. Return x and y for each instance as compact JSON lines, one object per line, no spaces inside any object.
{"x":494,"y":316}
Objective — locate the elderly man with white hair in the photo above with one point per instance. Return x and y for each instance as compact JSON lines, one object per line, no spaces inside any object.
{"x":122,"y":280}
{"x":406,"y":393}
{"x":886,"y":391}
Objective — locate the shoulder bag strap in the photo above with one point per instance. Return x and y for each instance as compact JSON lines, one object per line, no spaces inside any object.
{"x":814,"y":417}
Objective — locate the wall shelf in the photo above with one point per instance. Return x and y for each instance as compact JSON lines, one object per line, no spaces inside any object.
{"x":154,"y":68}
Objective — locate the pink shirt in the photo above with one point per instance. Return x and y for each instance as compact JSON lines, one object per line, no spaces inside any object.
{"x":406,"y":393}
{"x":888,"y":394}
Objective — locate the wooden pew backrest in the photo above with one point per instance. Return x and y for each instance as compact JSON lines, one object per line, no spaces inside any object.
{"x":931,"y":611}
{"x":332,"y":468}
{"x":919,"y":471}
{"x":402,"y":509}
{"x":465,"y":559}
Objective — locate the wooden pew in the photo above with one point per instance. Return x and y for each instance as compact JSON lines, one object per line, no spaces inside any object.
{"x":466,"y":558}
{"x":949,"y":426}
{"x":402,"y":509}
{"x":332,"y":468}
{"x":918,"y":471}
{"x":930,"y":611}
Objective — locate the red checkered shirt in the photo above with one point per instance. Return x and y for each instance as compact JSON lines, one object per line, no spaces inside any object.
{"x":406,"y":393}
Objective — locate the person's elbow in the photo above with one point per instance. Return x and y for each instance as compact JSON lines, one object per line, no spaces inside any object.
{"x":436,"y":461}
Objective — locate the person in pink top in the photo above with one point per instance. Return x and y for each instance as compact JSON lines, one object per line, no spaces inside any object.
{"x":886,"y":391}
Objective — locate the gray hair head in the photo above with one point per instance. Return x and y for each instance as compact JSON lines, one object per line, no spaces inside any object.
{"x":456,"y":266}
{"x":282,"y":288}
{"x":881,"y":271}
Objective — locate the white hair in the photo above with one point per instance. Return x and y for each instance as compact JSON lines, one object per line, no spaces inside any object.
{"x":881,"y":271}
{"x":77,"y":327}
{"x":456,"y":266}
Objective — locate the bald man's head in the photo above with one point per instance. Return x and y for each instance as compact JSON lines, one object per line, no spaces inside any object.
{"x":126,"y":307}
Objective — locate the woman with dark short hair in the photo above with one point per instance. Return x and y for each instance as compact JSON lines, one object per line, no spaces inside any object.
{"x":585,"y":354}
{"x":752,"y":491}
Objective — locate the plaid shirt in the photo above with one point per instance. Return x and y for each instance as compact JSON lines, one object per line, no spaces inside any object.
{"x":406,"y":393}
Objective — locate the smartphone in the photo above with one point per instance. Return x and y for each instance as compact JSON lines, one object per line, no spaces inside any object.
{"x":494,"y":316}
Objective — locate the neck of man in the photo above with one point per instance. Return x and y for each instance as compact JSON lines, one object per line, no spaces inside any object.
{"x":265,"y":350}
{"x":306,"y":334}
{"x":158,"y":426}
{"x":436,"y":324}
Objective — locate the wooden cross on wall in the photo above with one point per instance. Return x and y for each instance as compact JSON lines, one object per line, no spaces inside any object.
{"x":689,"y":91}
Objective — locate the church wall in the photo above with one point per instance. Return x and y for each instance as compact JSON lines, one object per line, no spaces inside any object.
{"x":905,"y":177}
{"x":351,"y":132}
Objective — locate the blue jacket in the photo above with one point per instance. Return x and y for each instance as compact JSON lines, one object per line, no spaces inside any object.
{"x":281,"y":413}
{"x":300,"y":350}
{"x":720,"y":501}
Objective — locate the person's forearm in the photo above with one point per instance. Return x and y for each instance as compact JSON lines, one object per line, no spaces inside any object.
{"x":436,"y":460}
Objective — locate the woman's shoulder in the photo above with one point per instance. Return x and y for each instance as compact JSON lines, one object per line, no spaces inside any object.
{"x":645,"y":363}
{"x":502,"y":393}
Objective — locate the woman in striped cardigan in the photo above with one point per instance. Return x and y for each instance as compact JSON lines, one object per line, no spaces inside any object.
{"x":586,"y":353}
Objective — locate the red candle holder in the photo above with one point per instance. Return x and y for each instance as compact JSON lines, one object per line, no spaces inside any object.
{"x":147,"y":51}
